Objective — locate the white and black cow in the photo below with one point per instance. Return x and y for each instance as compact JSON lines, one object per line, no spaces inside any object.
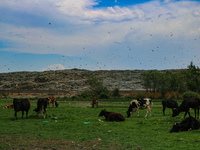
{"x":41,"y":106}
{"x":135,"y":105}
{"x":187,"y":124}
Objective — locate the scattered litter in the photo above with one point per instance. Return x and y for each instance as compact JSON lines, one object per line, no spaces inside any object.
{"x":110,"y":131}
{"x":86,"y":122}
{"x":145,"y":118}
{"x":100,"y":120}
{"x":45,"y":121}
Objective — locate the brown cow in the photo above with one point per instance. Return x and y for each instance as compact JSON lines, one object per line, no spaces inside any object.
{"x":9,"y":106}
{"x":112,"y":116}
{"x":53,"y":101}
{"x":95,"y":102}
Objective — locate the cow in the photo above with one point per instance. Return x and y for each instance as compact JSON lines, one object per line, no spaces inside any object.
{"x":112,"y":116}
{"x":135,"y":105}
{"x":169,"y":103}
{"x":9,"y":106}
{"x":53,"y":101}
{"x":95,"y":102}
{"x":21,"y":105}
{"x":186,"y":105}
{"x":187,"y":124}
{"x":41,"y":106}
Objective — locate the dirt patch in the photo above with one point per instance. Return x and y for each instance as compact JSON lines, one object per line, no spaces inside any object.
{"x":53,"y":144}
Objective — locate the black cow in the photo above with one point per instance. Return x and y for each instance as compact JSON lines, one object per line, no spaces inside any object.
{"x":186,"y":105}
{"x":41,"y":106}
{"x":187,"y":124}
{"x":135,"y":105}
{"x":169,"y":103}
{"x":21,"y":105}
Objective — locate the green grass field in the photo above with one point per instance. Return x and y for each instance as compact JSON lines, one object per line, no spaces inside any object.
{"x":75,"y":125}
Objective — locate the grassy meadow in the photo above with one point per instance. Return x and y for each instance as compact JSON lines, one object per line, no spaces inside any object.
{"x":75,"y":125}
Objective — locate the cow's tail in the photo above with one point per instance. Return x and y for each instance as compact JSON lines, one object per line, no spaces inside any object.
{"x":29,"y":103}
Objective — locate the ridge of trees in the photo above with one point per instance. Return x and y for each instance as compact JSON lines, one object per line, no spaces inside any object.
{"x":181,"y":81}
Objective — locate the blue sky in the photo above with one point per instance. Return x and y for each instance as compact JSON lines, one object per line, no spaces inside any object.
{"x":99,"y":34}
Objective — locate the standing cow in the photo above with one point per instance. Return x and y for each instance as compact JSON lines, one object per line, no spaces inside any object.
{"x":135,"y":105}
{"x":186,"y":105}
{"x":41,"y":106}
{"x":21,"y":105}
{"x":95,"y":102}
{"x":53,"y":101}
{"x":169,"y":103}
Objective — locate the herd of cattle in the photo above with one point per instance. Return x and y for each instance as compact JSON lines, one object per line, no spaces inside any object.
{"x":189,"y":123}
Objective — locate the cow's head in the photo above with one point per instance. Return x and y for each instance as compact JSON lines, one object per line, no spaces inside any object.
{"x":128,"y":114}
{"x":175,"y":112}
{"x":102,"y":113}
{"x":175,"y":128}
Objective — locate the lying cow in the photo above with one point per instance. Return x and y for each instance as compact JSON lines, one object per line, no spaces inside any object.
{"x":41,"y":106}
{"x":135,"y":105}
{"x":53,"y":101}
{"x":21,"y":105}
{"x":112,"y":116}
{"x":186,"y":105}
{"x":95,"y":102}
{"x":187,"y":124}
{"x":169,"y":103}
{"x":9,"y":106}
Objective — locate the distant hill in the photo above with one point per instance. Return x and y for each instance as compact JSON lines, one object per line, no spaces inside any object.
{"x":71,"y":81}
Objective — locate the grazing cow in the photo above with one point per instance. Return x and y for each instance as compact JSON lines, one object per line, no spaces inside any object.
{"x":95,"y":102}
{"x":112,"y":116}
{"x":9,"y":106}
{"x":135,"y":105}
{"x":170,"y":104}
{"x":187,"y":124}
{"x":21,"y":105}
{"x":41,"y":106}
{"x":186,"y":105}
{"x":53,"y":101}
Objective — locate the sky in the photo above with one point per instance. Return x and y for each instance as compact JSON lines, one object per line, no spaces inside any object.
{"x":47,"y":35}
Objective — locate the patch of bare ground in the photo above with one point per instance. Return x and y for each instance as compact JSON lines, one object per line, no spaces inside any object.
{"x":53,"y":144}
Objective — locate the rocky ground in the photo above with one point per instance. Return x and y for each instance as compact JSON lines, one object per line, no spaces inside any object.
{"x":70,"y":80}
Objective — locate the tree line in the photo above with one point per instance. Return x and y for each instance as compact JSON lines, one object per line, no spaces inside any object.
{"x":173,"y":81}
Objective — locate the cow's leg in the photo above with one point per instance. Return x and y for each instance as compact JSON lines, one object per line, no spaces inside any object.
{"x":137,"y":112}
{"x":22,"y":114}
{"x":164,"y":107}
{"x":195,"y":113}
{"x":27,"y":114}
{"x":148,"y":110}
{"x":16,"y":115}
{"x":187,"y":111}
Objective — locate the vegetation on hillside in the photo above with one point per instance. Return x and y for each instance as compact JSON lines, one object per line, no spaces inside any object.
{"x":182,"y":81}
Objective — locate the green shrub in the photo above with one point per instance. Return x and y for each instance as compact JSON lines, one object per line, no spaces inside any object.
{"x":190,"y":94}
{"x":116,"y":93}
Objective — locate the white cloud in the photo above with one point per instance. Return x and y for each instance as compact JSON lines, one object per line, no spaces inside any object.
{"x":84,"y":30}
{"x":54,"y":67}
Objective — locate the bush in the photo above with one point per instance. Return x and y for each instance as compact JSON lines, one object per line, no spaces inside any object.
{"x":190,"y":94}
{"x":116,"y":93}
{"x":104,"y":96}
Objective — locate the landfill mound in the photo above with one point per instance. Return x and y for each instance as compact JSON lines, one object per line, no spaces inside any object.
{"x":70,"y":80}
